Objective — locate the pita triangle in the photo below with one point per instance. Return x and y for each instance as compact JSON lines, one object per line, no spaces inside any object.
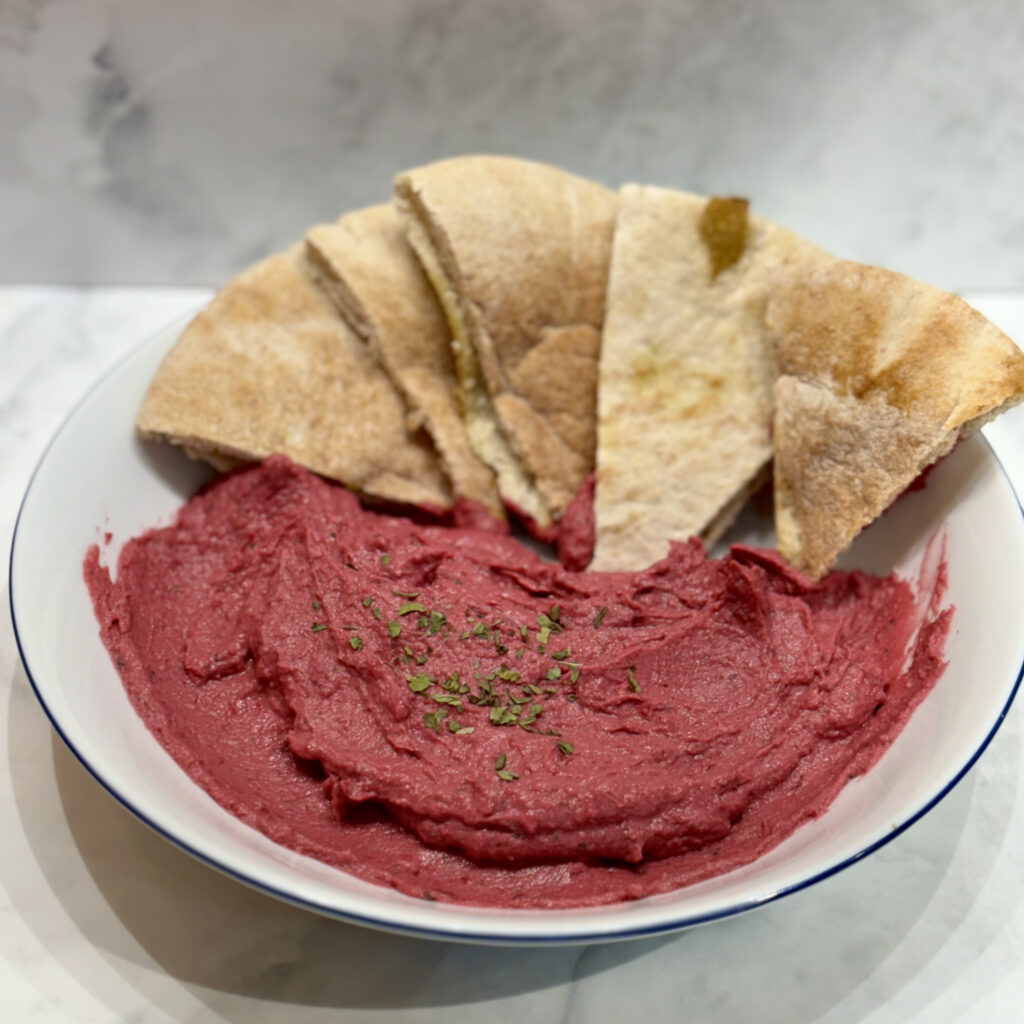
{"x":365,"y":265}
{"x":518,"y":254}
{"x":686,"y":373}
{"x":879,"y":376}
{"x":270,"y":367}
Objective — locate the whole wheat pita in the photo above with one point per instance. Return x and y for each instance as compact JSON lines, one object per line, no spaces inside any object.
{"x":365,"y":265}
{"x":518,"y":253}
{"x":879,"y":376}
{"x":270,"y":367}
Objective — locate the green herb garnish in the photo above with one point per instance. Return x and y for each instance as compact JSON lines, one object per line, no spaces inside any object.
{"x":319,"y":627}
{"x":418,"y":683}
{"x":599,"y":617}
{"x":633,"y":684}
{"x":394,"y":628}
{"x":504,"y":716}
{"x":355,"y":642}
{"x":409,"y":607}
{"x":565,"y":748}
{"x":447,"y":698}
{"x":499,"y":768}
{"x":433,"y":720}
{"x":545,"y":621}
{"x":531,"y":714}
{"x":553,"y":673}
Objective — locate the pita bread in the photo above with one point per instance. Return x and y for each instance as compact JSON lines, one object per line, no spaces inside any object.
{"x":269,"y":367}
{"x":364,"y":264}
{"x":879,"y":376}
{"x":518,"y":253}
{"x":686,"y":374}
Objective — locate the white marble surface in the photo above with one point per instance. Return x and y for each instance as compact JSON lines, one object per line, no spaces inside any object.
{"x":147,"y":141}
{"x":100,"y":920}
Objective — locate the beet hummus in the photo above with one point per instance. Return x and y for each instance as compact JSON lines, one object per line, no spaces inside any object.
{"x":440,"y":710}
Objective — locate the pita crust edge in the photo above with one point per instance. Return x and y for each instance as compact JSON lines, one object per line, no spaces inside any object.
{"x":431,"y":247}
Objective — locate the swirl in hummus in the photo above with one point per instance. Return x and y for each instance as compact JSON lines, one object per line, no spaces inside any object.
{"x":440,"y":710}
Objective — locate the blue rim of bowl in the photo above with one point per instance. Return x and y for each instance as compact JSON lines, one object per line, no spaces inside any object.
{"x":471,"y":936}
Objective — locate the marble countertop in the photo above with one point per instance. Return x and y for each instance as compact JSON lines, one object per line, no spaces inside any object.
{"x":101,"y":920}
{"x":147,"y":141}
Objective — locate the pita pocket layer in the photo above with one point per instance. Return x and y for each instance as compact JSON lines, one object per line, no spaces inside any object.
{"x":686,"y":373}
{"x":518,"y":253}
{"x":879,"y":377}
{"x":270,"y":367}
{"x":365,"y":265}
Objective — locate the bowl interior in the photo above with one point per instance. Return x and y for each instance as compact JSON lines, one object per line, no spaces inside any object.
{"x":97,"y":479}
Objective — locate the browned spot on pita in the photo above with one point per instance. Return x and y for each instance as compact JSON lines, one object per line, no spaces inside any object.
{"x":723,"y":228}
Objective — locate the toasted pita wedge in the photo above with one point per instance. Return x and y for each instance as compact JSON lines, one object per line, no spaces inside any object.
{"x":270,"y":367}
{"x":518,"y":253}
{"x":879,"y":376}
{"x":686,"y":374}
{"x":365,"y":265}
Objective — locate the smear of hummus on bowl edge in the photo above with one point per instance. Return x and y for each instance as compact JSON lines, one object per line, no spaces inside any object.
{"x":440,"y":710}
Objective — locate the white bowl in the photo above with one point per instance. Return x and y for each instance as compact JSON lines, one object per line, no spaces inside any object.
{"x":95,"y":478}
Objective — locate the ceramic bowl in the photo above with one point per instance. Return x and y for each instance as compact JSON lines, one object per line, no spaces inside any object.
{"x":97,"y":478}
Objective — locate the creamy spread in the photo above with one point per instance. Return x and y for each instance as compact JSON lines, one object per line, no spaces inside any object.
{"x":439,"y":709}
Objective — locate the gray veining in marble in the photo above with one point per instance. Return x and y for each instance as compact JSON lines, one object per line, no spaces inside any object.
{"x":145,"y":141}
